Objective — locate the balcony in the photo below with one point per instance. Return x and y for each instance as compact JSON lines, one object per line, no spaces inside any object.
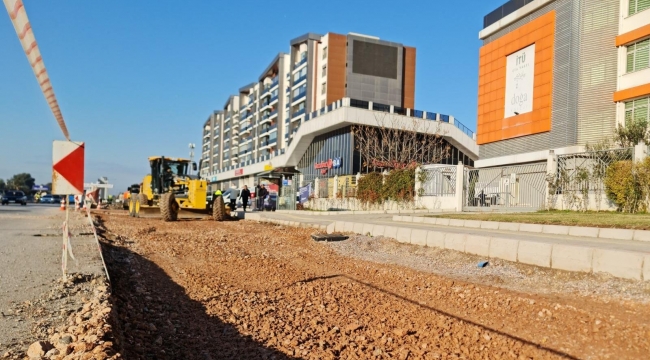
{"x":299,"y":80}
{"x":273,"y":99}
{"x":298,"y":113}
{"x":269,"y":142}
{"x":250,"y":101}
{"x":268,"y":129}
{"x":265,"y":91}
{"x":226,"y":129}
{"x":273,"y":113}
{"x":246,"y":150}
{"x":275,"y":82}
{"x":242,"y":108}
{"x":300,"y":95}
{"x":301,"y":61}
{"x":246,"y":128}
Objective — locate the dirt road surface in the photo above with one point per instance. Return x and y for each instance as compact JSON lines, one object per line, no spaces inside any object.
{"x":206,"y":290}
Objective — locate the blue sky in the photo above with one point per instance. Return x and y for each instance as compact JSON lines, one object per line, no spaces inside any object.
{"x":139,"y":78}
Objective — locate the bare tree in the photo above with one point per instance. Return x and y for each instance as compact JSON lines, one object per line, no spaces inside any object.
{"x":398,"y":142}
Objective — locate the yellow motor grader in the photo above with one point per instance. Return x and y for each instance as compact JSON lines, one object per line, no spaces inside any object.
{"x":170,"y":189}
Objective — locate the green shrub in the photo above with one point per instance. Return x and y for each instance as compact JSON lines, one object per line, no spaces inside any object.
{"x":370,"y":188}
{"x":622,"y":185}
{"x":399,"y":185}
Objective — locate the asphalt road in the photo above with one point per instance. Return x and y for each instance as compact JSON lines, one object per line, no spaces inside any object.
{"x":29,"y":263}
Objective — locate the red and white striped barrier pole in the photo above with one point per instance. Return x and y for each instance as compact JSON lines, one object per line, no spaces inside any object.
{"x":18,"y":15}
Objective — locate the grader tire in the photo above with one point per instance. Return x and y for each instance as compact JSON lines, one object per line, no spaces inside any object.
{"x":168,"y":207}
{"x":131,"y":207}
{"x":144,"y":201}
{"x":219,"y":209}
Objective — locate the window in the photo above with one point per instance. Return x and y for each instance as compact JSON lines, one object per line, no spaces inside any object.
{"x":638,"y":56}
{"x":637,"y":110}
{"x":324,"y":73}
{"x":325,"y":52}
{"x":636,"y":6}
{"x":322,"y":103}
{"x":323,"y":88}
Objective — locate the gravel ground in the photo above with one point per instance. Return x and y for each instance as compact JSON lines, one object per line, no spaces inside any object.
{"x":205,"y":290}
{"x":519,"y":277}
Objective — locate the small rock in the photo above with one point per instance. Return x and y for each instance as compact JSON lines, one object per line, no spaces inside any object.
{"x":38,"y":349}
{"x":65,"y":339}
{"x":52,"y":352}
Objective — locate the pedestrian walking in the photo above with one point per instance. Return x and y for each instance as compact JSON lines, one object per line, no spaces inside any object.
{"x":261,"y":196}
{"x":233,"y":198}
{"x":245,"y":195}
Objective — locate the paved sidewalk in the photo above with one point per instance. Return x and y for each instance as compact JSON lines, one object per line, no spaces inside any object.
{"x":621,"y":258}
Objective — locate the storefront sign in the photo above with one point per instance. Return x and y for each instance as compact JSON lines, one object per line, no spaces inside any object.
{"x":520,"y":76}
{"x":239,"y":172}
{"x":268,"y":167}
{"x":329,"y":164}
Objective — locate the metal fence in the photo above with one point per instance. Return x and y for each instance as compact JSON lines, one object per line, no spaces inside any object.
{"x":521,"y":187}
{"x":439,"y":180}
{"x":586,"y":170}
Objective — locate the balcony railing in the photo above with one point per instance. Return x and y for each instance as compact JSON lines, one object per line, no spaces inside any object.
{"x":300,"y":79}
{"x":301,"y":61}
{"x":251,"y":100}
{"x":275,"y":82}
{"x":268,"y":128}
{"x":298,"y":113}
{"x":273,"y":98}
{"x":300,"y":95}
{"x":274,"y":112}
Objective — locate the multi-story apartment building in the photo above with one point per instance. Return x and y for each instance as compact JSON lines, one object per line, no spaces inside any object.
{"x":559,"y":74}
{"x":262,"y":128}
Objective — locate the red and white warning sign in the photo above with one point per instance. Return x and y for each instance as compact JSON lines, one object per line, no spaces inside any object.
{"x":68,"y":168}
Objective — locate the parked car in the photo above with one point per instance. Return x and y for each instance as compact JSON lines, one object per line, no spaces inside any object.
{"x":16,"y":197}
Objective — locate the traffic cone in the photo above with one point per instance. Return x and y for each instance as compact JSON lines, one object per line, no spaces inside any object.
{"x":62,"y":204}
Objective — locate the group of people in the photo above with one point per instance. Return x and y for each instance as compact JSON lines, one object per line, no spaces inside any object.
{"x":245,"y":195}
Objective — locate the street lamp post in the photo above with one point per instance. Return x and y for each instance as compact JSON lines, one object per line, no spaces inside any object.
{"x":192,"y":146}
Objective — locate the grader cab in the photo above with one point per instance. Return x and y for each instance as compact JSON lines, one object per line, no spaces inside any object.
{"x":169,"y":189}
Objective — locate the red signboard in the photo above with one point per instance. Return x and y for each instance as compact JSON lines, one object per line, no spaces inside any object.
{"x":239,"y":172}
{"x":329,"y":164}
{"x":67,"y":168}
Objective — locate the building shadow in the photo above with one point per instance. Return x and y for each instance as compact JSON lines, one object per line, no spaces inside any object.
{"x":154,"y":318}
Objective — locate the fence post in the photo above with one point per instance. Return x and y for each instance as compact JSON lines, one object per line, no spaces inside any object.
{"x":383,"y":177}
{"x":317,"y":188}
{"x":335,"y":187}
{"x":640,"y":151}
{"x":301,"y":179}
{"x":551,"y":170}
{"x":460,"y":172}
{"x":418,"y":184}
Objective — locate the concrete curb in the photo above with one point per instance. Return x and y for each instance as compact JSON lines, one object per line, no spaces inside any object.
{"x":361,"y":212}
{"x":622,"y":264}
{"x":581,"y":231}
